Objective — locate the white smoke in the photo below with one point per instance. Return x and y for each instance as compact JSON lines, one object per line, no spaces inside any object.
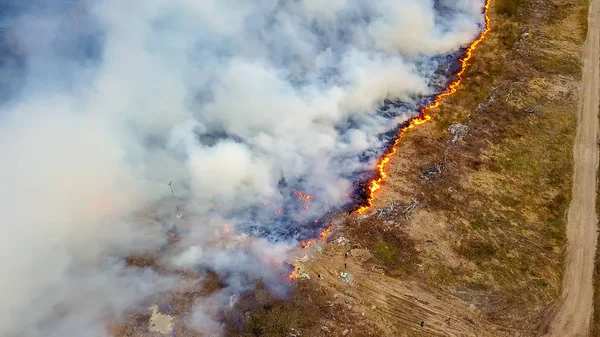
{"x":226,"y":98}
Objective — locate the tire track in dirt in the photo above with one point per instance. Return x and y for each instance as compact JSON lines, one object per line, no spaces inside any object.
{"x":573,"y":312}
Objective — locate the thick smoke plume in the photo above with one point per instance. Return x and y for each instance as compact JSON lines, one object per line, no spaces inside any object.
{"x":249,"y":107}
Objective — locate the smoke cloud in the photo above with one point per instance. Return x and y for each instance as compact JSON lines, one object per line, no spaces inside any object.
{"x":247,"y":106}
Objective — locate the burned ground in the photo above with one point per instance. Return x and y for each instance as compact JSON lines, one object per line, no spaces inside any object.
{"x":490,"y":225}
{"x":480,"y":252}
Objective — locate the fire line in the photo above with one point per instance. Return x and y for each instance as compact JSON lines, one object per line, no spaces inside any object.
{"x":422,"y":118}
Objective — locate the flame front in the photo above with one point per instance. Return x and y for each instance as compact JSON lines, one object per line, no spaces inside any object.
{"x":305,"y":244}
{"x":424,"y":116}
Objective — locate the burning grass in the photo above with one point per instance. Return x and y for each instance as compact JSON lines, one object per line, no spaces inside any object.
{"x":499,"y":200}
{"x":501,"y":195}
{"x":496,"y":212}
{"x":507,"y":186}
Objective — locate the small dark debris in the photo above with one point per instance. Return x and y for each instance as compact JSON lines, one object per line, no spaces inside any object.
{"x":432,"y":172}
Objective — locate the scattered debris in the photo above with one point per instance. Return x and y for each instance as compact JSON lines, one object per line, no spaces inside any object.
{"x":494,"y":93}
{"x":390,"y":211}
{"x":410,"y":208}
{"x":320,"y":249}
{"x":304,"y":277}
{"x":346,"y":276}
{"x":458,"y":131}
{"x":345,"y":332}
{"x":325,"y":328}
{"x":432,"y":172}
{"x":294,"y":333}
{"x":302,"y":259}
{"x":342,"y":241}
{"x":395,"y":209}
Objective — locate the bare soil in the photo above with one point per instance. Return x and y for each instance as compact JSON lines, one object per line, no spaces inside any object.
{"x":574,"y":310}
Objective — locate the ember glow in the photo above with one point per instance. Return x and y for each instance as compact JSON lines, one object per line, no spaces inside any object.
{"x":301,"y":195}
{"x":424,"y":116}
{"x":306,"y":244}
{"x":325,"y":233}
{"x":294,"y":274}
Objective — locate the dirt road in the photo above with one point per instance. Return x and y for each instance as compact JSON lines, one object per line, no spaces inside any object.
{"x":574,"y":311}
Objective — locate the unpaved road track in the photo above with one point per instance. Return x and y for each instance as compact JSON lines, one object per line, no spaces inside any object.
{"x":574,"y":311}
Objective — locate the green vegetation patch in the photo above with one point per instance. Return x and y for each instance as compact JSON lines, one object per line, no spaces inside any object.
{"x":508,"y":7}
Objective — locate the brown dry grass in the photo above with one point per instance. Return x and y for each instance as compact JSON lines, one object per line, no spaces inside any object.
{"x":391,"y":247}
{"x":595,"y":328}
{"x":491,"y":227}
{"x":506,"y":187}
{"x":176,"y":304}
{"x":489,"y":231}
{"x":260,"y":313}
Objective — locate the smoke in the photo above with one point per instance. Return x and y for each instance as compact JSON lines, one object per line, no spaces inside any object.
{"x":241,"y":104}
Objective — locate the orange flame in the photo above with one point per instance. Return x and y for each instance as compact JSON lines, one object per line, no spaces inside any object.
{"x":305,"y":244}
{"x":308,"y":243}
{"x":301,"y":195}
{"x":294,"y":274}
{"x":424,"y":117}
{"x":325,"y":232}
